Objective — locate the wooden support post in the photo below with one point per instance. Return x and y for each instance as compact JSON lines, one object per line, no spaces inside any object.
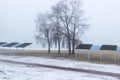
{"x":115,"y":57}
{"x":101,"y":56}
{"x":89,"y":55}
{"x":23,"y":52}
{"x":76,"y":54}
{"x":16,"y":50}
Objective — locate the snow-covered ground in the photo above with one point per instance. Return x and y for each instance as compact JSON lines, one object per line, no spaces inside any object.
{"x":65,"y":63}
{"x":21,"y":72}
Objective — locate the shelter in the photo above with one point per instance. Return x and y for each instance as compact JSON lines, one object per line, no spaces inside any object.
{"x":102,"y":48}
{"x":109,"y":47}
{"x":23,"y":46}
{"x":84,"y":47}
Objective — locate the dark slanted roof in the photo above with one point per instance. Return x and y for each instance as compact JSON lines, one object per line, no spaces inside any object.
{"x":109,"y":47}
{"x":11,"y":44}
{"x":24,"y":45}
{"x":1,"y":43}
{"x":84,"y":46}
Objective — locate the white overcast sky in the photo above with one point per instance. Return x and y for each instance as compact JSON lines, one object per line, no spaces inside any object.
{"x":17,"y":20}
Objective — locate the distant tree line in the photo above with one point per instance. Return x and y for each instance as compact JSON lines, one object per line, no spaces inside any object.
{"x":62,"y":25}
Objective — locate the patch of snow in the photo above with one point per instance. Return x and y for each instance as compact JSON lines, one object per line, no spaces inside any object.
{"x":21,"y":72}
{"x":65,"y":63}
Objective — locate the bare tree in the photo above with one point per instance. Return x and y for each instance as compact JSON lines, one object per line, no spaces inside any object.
{"x":65,"y":17}
{"x":44,"y":30}
{"x":78,"y":22}
{"x":71,"y":21}
{"x":63,"y":25}
{"x":57,"y":27}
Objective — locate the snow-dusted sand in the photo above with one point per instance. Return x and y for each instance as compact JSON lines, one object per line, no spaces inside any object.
{"x":21,"y":72}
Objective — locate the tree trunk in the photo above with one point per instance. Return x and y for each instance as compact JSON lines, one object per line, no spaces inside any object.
{"x":58,"y":46}
{"x":58,"y":37}
{"x":69,"y":47}
{"x":73,"y":43}
{"x":49,"y":47}
{"x":69,"y":43}
{"x":48,"y":44}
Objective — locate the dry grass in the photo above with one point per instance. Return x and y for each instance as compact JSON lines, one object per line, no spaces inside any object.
{"x":81,"y":55}
{"x":95,"y":56}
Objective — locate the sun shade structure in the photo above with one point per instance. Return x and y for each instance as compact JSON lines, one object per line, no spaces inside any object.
{"x":109,"y":47}
{"x":2,"y":43}
{"x":84,"y":46}
{"x":10,"y":44}
{"x":24,"y":45}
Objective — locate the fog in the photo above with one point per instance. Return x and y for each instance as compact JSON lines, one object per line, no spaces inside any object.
{"x":104,"y":21}
{"x":17,"y":20}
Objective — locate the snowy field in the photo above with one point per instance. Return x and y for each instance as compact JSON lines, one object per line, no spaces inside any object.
{"x":21,"y":72}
